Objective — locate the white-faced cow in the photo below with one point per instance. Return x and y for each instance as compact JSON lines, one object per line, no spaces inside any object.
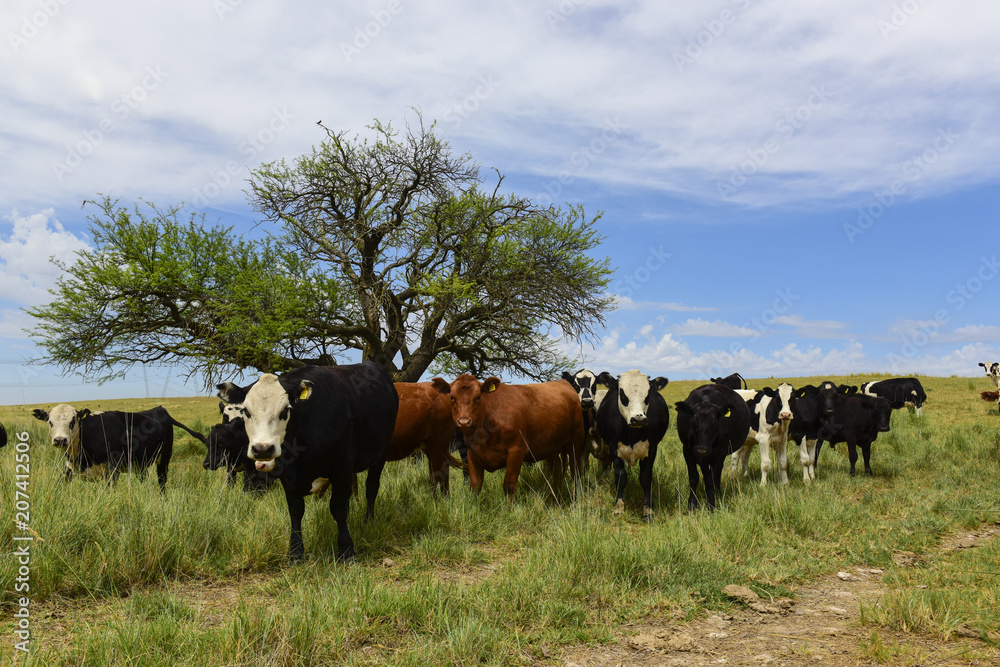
{"x":632,"y":420}
{"x":770,"y":417}
{"x":314,"y":427}
{"x":584,"y":383}
{"x":107,"y":442}
{"x":712,"y":423}
{"x":504,"y":425}
{"x":227,"y":447}
{"x":992,"y":369}
{"x":900,"y":392}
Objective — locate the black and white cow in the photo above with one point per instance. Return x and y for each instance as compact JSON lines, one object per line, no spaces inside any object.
{"x":107,"y":442}
{"x":733,"y":381}
{"x":857,"y":420}
{"x":992,"y":369}
{"x":712,"y":423}
{"x":899,"y":392}
{"x":632,"y":420}
{"x":585,"y":384}
{"x":770,"y":417}
{"x":804,"y":429}
{"x":314,"y":427}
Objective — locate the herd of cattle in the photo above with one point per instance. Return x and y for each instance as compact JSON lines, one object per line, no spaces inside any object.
{"x":315,"y":428}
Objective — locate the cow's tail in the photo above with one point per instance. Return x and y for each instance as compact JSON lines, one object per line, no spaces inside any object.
{"x":197,"y":436}
{"x":453,"y":462}
{"x":743,"y":379}
{"x":990,"y":395}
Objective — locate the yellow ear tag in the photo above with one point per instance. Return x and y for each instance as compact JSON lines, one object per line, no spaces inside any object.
{"x":305,"y":393}
{"x":493,"y":387}
{"x":728,"y":412}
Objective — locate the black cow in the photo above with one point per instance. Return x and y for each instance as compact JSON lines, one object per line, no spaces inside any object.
{"x":857,"y":420}
{"x":110,"y":441}
{"x":712,"y":423}
{"x":899,"y":392}
{"x":733,"y":381}
{"x":3,"y":436}
{"x":227,"y":447}
{"x":315,"y":427}
{"x":632,"y":420}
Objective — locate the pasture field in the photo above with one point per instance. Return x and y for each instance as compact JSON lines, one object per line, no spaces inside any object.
{"x":120,"y":575}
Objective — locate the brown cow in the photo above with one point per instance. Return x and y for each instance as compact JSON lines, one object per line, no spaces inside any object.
{"x":424,"y":422}
{"x":505,"y":424}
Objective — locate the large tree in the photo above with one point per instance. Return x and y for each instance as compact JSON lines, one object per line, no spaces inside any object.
{"x":390,"y":245}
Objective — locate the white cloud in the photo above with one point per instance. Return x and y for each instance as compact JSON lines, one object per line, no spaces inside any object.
{"x":26,"y":272}
{"x":626,"y":303}
{"x":717,"y":328}
{"x":814,"y":328}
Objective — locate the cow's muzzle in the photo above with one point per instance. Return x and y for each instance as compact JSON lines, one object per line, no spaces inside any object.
{"x":62,"y":443}
{"x":587,"y":403}
{"x":464,"y":422}
{"x":785,"y":416}
{"x":638,"y":421}
{"x":262,"y":452}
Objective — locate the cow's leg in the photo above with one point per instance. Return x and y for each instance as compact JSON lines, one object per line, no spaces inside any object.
{"x":515,"y":458}
{"x":437,"y":466}
{"x":475,"y":473}
{"x":852,"y":454}
{"x":372,"y":483}
{"x":646,"y":482}
{"x":819,"y":445}
{"x":713,"y":477}
{"x":782,"y":451}
{"x":340,"y":502}
{"x":741,"y":459}
{"x":806,"y":448}
{"x":163,"y":460}
{"x":764,"y":441}
{"x":621,"y":480}
{"x":866,"y":452}
{"x":693,"y":477}
{"x":296,"y":508}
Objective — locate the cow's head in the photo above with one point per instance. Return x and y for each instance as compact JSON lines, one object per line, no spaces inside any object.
{"x":828,"y":391}
{"x":634,"y":390}
{"x":807,"y":403}
{"x":466,"y":394}
{"x":225,"y":444}
{"x":267,"y":410}
{"x":707,"y":421}
{"x":585,"y":384}
{"x":783,"y":401}
{"x":64,"y":426}
{"x":883,"y":412}
{"x":992,"y":369}
{"x":230,"y":411}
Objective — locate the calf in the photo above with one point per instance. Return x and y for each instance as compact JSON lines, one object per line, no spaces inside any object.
{"x":804,"y":429}
{"x":899,"y":392}
{"x":632,"y":420}
{"x":712,"y":423}
{"x":585,"y":384}
{"x":504,"y":425}
{"x":424,"y":423}
{"x":227,"y":446}
{"x":770,"y":417}
{"x":857,"y":420}
{"x":110,"y":441}
{"x":733,"y":381}
{"x":314,"y":427}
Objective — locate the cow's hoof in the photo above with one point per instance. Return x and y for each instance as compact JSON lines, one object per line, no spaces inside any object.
{"x":647,"y":514}
{"x":619,"y":508}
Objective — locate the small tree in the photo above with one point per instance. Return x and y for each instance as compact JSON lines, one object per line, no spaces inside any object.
{"x":388,"y":246}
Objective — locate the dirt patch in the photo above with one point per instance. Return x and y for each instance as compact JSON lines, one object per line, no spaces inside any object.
{"x":821,"y":626}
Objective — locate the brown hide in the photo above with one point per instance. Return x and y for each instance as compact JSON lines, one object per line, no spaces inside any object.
{"x":424,"y":423}
{"x":505,"y":424}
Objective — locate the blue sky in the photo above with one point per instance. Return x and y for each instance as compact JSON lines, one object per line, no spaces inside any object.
{"x":789,"y":187}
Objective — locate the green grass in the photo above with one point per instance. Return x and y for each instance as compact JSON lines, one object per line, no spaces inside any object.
{"x":128,"y":576}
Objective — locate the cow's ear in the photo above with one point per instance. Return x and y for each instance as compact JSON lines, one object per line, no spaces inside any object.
{"x":982,"y":364}
{"x":83,"y":414}
{"x":659,"y":383}
{"x":728,"y":412}
{"x":845,"y":389}
{"x":40,"y":414}
{"x":490,"y":384}
{"x":441,"y":386}
{"x":607,"y":379}
{"x":230,"y":393}
{"x":222,"y":407}
{"x":566,"y":375}
{"x":683,"y":407}
{"x":305,"y":391}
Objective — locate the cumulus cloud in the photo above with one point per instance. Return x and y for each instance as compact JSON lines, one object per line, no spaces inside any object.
{"x":717,"y":328}
{"x":26,"y":270}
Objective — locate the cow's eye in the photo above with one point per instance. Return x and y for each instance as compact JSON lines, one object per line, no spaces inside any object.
{"x":284,"y":413}
{"x":622,"y":397}
{"x":246,"y":413}
{"x":72,"y":422}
